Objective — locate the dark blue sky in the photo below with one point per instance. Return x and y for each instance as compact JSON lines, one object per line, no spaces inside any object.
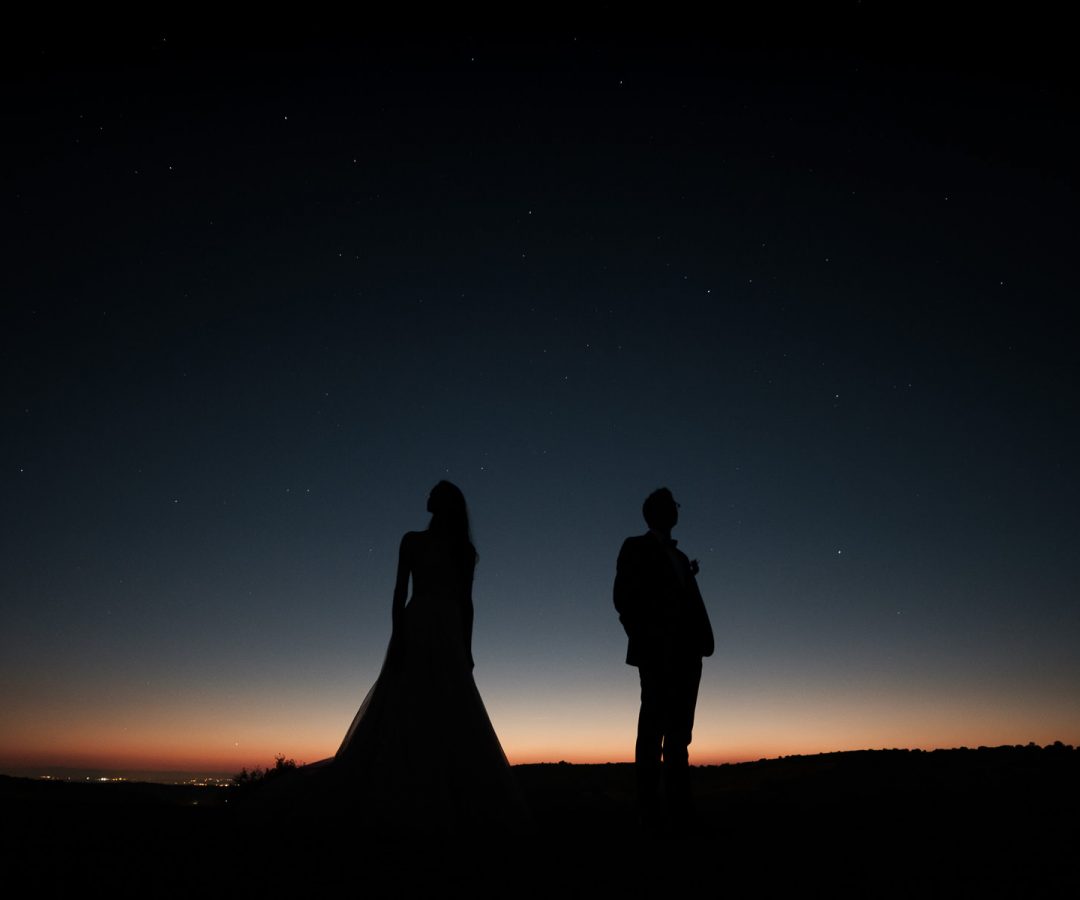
{"x":260,"y":295}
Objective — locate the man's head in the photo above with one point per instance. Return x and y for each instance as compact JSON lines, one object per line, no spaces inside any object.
{"x":660,"y":510}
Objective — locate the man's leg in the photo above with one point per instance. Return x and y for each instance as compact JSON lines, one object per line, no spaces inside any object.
{"x":680,"y":701}
{"x":649,"y":747}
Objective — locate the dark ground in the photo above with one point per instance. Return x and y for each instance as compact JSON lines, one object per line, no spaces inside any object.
{"x":997,"y":822}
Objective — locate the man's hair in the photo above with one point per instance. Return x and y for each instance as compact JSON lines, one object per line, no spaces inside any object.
{"x":655,"y":505}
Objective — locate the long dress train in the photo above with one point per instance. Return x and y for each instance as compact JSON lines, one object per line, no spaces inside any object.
{"x":421,"y":750}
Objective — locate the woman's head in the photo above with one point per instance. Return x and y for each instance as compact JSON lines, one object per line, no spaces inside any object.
{"x":449,"y":515}
{"x":446,"y":503}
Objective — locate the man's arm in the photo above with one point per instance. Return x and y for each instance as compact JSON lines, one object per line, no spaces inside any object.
{"x":627,"y":591}
{"x":702,"y":625}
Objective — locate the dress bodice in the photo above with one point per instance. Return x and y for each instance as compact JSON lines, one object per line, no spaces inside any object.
{"x":438,"y":567}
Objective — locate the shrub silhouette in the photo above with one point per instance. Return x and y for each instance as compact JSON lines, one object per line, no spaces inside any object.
{"x":282,"y":766}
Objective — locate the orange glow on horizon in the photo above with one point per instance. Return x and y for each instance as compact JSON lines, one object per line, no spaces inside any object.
{"x":131,"y":759}
{"x":222,"y":741}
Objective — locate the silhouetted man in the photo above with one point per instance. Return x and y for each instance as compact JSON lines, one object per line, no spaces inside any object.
{"x":661,"y":609}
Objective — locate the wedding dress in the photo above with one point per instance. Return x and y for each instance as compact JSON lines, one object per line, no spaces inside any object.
{"x":421,"y":751}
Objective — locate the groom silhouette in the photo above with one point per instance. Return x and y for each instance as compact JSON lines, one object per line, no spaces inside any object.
{"x":668,"y":628}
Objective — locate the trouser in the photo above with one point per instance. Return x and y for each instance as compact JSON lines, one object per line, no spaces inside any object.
{"x":665,"y":725}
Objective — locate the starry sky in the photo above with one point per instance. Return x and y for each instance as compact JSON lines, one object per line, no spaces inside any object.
{"x":262,"y":291}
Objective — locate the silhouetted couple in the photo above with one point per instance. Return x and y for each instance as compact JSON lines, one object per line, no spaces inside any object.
{"x":421,"y":750}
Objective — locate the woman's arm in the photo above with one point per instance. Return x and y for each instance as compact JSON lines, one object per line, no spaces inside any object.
{"x":401,"y":584}
{"x":467,"y":616}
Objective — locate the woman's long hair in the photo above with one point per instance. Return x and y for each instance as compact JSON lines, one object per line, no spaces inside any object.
{"x":450,"y":518}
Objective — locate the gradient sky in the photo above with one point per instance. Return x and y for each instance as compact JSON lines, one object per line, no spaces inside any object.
{"x":260,"y":295}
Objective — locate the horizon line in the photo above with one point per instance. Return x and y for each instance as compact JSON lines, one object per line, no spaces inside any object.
{"x":191,"y":775}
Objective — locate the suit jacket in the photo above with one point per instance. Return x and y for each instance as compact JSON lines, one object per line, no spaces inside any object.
{"x":659,"y":604}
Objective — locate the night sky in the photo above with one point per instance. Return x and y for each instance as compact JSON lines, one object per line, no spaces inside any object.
{"x":260,"y":294}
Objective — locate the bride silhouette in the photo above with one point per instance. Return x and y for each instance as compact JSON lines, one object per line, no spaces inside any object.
{"x":421,"y":751}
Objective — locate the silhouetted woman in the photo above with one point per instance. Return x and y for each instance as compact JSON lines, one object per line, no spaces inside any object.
{"x":421,"y":751}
